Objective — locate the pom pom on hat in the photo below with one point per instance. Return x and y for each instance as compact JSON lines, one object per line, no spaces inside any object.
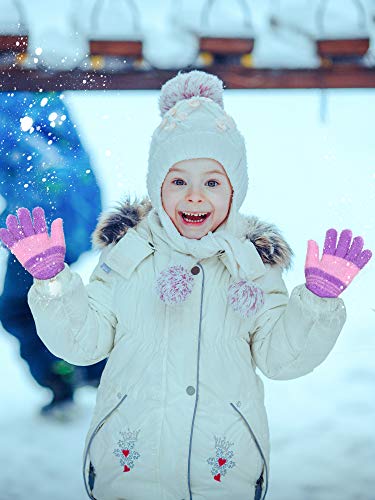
{"x":187,"y":85}
{"x":195,"y":125}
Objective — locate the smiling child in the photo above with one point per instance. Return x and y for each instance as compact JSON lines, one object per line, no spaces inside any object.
{"x":187,"y":302}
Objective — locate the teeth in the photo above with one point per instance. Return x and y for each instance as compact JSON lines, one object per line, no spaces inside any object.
{"x":199,"y":214}
{"x":195,"y":219}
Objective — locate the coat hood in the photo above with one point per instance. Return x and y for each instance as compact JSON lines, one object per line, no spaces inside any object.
{"x":267,"y":239}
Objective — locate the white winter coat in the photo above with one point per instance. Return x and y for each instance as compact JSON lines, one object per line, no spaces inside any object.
{"x":180,"y":409}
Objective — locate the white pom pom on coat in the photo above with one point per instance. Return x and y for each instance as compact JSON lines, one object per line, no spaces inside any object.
{"x":174,"y":284}
{"x":245,"y":298}
{"x":187,"y":85}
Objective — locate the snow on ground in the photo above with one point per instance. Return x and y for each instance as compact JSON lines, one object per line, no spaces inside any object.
{"x":40,"y":459}
{"x":305,"y":176}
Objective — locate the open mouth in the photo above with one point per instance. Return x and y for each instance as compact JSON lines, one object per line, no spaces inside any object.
{"x":195,"y":219}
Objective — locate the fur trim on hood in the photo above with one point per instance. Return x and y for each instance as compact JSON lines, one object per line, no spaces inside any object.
{"x":268,"y":241}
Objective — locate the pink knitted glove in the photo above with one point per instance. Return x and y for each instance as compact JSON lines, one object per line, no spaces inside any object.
{"x":42,"y":256}
{"x":330,"y":276}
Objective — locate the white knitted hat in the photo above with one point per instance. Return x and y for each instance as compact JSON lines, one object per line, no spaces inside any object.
{"x":195,"y":125}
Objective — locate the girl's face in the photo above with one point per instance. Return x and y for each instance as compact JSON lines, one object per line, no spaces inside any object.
{"x":195,"y":187}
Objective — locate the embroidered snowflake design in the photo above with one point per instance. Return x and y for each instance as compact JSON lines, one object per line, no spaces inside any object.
{"x":126,"y":452}
{"x":222,"y":461}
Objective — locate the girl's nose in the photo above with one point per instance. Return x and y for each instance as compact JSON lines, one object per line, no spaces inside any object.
{"x":195,"y":198}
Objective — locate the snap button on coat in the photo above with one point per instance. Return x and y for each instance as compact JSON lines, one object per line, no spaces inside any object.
{"x":195,"y":270}
{"x":190,"y":390}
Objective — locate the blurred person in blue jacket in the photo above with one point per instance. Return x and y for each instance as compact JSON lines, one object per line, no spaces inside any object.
{"x":43,"y":162}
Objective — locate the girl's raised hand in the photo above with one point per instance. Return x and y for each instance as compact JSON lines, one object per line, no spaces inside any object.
{"x":329,"y":276}
{"x":41,"y":255}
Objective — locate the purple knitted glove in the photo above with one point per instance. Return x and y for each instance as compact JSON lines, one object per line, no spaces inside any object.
{"x":42,"y":256}
{"x":330,"y":276}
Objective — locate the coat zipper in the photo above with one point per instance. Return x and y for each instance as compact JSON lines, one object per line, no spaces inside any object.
{"x":94,"y":433}
{"x":259,"y":449}
{"x":259,"y":482}
{"x":197,"y":383}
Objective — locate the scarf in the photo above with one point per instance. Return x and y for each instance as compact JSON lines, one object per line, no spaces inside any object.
{"x":175,"y":283}
{"x":238,"y":254}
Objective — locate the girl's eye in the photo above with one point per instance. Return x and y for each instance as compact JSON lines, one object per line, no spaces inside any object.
{"x":181,"y":182}
{"x":210,"y":185}
{"x":176,"y":180}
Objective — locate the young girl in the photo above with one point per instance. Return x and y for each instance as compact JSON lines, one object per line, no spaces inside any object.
{"x":187,"y":301}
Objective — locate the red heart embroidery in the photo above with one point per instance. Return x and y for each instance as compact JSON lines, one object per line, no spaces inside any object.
{"x":217,"y":477}
{"x":125,"y":452}
{"x":221,"y":461}
{"x":126,"y":468}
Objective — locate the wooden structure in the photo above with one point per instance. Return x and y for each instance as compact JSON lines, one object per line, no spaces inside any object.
{"x":341,"y":50}
{"x":116,"y":48}
{"x":234,"y":77}
{"x":225,"y":49}
{"x":126,"y":52}
{"x":234,"y":71}
{"x":14,"y":44}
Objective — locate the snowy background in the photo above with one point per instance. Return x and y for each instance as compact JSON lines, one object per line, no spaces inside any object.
{"x":306,"y":175}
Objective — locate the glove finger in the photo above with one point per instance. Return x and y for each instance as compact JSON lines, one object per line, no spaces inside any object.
{"x":330,"y":242}
{"x":344,"y":243}
{"x":6,"y":237}
{"x":312,"y":256}
{"x":57,"y":232}
{"x":39,"y":217}
{"x":363,"y":258}
{"x":14,"y":228}
{"x":355,"y":249}
{"x":25,"y":221}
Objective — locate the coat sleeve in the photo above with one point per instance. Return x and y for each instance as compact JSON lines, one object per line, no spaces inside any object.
{"x":293,"y":335}
{"x":74,"y":321}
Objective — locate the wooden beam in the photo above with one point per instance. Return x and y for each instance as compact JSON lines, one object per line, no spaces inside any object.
{"x":226,"y":46}
{"x":340,"y":76}
{"x":120,"y":48}
{"x":343,"y":47}
{"x":13,"y":43}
